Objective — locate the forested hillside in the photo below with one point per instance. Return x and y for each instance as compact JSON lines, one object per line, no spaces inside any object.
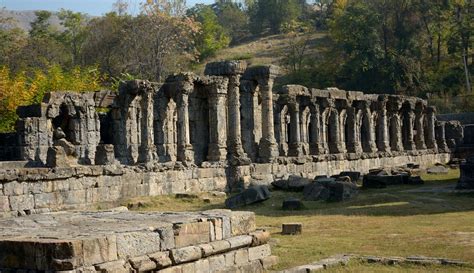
{"x":412,"y":47}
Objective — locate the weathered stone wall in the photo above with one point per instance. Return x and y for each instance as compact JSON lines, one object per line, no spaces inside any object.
{"x":26,"y":190}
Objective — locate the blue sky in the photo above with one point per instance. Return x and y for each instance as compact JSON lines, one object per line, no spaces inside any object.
{"x":92,"y":7}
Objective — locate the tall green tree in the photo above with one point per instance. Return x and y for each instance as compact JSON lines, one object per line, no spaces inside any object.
{"x":212,"y":36}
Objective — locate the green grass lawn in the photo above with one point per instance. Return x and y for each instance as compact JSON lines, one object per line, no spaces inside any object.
{"x":388,"y":222}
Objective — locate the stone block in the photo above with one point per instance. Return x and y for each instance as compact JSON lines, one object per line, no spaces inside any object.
{"x":22,"y":202}
{"x":202,"y":265}
{"x":167,"y":237}
{"x":269,"y":261}
{"x":260,"y":237}
{"x":259,"y":252}
{"x":162,"y":259}
{"x":173,"y":269}
{"x":138,"y":243}
{"x":220,"y":246}
{"x":99,"y":250}
{"x":119,"y":266}
{"x":188,"y":268}
{"x":191,"y":233}
{"x":229,"y":259}
{"x":4,"y":204}
{"x":291,"y":228}
{"x":241,"y":256}
{"x":216,"y":263}
{"x":186,"y":254}
{"x":142,"y":263}
{"x":252,"y":267}
{"x":242,"y":222}
{"x":240,"y":241}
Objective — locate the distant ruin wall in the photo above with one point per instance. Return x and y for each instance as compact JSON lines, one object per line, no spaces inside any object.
{"x":29,"y":190}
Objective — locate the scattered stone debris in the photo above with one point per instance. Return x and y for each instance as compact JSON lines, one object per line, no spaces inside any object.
{"x":354,"y":176}
{"x":293,"y":183}
{"x":381,"y":178}
{"x":335,"y":260}
{"x":330,"y":189}
{"x":437,"y":169}
{"x":344,"y":259}
{"x":292,"y":204}
{"x":291,"y":228}
{"x":249,"y":196}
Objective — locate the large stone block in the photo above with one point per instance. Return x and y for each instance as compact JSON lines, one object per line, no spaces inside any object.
{"x":138,"y":243}
{"x":191,"y":233}
{"x":186,"y":254}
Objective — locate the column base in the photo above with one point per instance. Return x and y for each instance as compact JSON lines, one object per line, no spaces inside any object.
{"x":217,"y":152}
{"x":185,"y":154}
{"x":267,"y":150}
{"x":147,"y":154}
{"x":295,"y":149}
{"x":237,"y":156}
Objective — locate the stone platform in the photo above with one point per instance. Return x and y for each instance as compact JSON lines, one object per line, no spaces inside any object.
{"x":123,"y":241}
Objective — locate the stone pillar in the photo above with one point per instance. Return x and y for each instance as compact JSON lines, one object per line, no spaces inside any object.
{"x":383,"y":141}
{"x":353,"y":144}
{"x":408,"y":121}
{"x":233,"y":71}
{"x":430,"y":128}
{"x":295,"y":148}
{"x":440,"y":132}
{"x":395,"y":126}
{"x":185,"y":149}
{"x":316,"y":145}
{"x":217,"y":121}
{"x":147,"y":149}
{"x":237,"y":153}
{"x":419,"y":127}
{"x":268,"y":149}
{"x":334,"y":141}
{"x":367,"y":135}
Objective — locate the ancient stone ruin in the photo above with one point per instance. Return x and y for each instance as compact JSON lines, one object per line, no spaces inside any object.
{"x":222,"y":131}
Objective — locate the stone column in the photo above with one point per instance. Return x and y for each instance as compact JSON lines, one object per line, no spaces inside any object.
{"x":268,"y":149}
{"x":409,"y":116}
{"x":383,"y":141}
{"x":147,"y":149}
{"x":353,"y":144}
{"x":419,"y":127}
{"x":440,"y":131}
{"x":395,"y":126}
{"x":430,"y":128}
{"x":237,"y":153}
{"x":334,"y":143}
{"x":315,"y":145}
{"x":295,"y":148}
{"x":185,"y":149}
{"x":369,"y":145}
{"x":217,"y":121}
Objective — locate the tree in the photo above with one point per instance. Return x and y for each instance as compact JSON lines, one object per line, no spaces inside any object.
{"x":72,"y":37}
{"x":212,"y":35}
{"x":232,"y":18}
{"x":273,"y":14}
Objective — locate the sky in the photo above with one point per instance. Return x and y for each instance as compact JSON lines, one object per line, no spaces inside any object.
{"x":92,"y":7}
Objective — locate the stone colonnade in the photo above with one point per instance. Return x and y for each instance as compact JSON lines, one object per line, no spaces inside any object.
{"x":232,"y":113}
{"x":334,"y":121}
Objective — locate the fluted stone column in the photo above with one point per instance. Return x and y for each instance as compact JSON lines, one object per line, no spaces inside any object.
{"x":235,"y":136}
{"x":441,"y":136}
{"x":419,"y":127}
{"x":383,"y":141}
{"x":295,"y":148}
{"x":395,"y":125}
{"x":368,"y":143}
{"x":430,"y":128}
{"x":353,"y":144}
{"x":334,"y":133}
{"x":185,"y":149}
{"x":316,"y":146}
{"x":147,"y":149}
{"x":409,"y":116}
{"x":232,"y":70}
{"x":268,"y":148}
{"x":217,"y":121}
